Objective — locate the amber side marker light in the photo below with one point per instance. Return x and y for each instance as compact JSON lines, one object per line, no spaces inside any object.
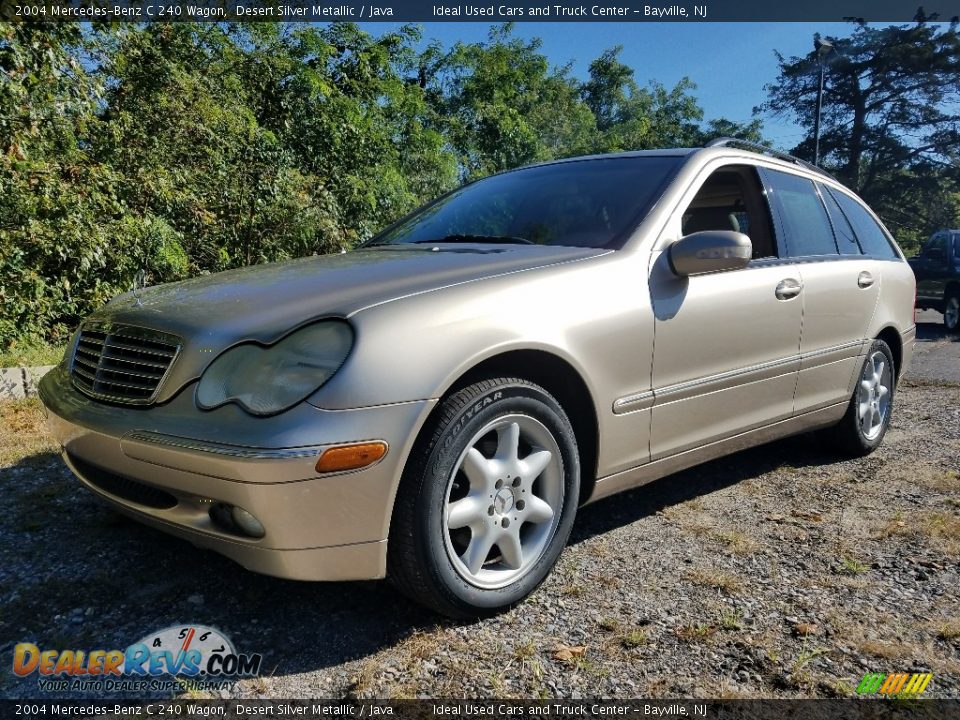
{"x":350,"y":457}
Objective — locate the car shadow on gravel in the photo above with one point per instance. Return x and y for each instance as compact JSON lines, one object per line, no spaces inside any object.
{"x":625,"y":508}
{"x":933,"y":332}
{"x":79,"y":575}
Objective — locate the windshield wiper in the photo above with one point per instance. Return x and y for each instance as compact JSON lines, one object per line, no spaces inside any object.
{"x":458,"y":238}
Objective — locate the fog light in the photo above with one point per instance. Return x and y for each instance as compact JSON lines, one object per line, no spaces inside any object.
{"x":247,"y":523}
{"x":351,"y":457}
{"x":236,"y":521}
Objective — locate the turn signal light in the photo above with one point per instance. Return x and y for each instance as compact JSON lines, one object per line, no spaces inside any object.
{"x":350,"y":457}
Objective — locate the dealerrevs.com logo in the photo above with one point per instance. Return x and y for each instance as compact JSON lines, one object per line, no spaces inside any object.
{"x":194,"y":655}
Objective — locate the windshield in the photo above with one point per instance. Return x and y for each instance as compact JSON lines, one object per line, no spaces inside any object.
{"x":584,"y":203}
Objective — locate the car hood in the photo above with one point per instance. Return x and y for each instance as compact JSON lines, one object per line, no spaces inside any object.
{"x":263,"y":302}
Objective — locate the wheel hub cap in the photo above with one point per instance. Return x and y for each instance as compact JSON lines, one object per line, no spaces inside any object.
{"x":503,"y":502}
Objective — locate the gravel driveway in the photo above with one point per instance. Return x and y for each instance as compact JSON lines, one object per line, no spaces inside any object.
{"x":776,"y":572}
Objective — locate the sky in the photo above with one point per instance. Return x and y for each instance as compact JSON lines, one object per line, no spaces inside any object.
{"x":729,"y":62}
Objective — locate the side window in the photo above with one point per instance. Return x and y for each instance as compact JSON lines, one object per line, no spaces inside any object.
{"x":871,"y":236}
{"x":806,"y":226}
{"x":956,"y":245}
{"x":842,"y":230}
{"x":732,"y":199}
{"x":936,"y":247}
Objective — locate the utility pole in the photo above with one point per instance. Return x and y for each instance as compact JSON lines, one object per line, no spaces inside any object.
{"x":822,"y":48}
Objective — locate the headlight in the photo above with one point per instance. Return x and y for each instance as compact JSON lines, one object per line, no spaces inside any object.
{"x":266,"y":380}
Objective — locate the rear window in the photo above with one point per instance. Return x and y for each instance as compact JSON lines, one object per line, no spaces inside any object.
{"x":872,"y":238}
{"x":584,"y":203}
{"x":805,"y":223}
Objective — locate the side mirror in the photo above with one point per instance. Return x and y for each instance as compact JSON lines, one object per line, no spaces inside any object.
{"x":935,"y":253}
{"x":710,"y":251}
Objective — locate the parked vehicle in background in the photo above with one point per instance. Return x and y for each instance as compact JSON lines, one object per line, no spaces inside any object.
{"x":937,"y":269}
{"x":435,"y":405}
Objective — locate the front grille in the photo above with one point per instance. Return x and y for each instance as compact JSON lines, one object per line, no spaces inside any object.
{"x":122,"y":363}
{"x":123,"y":487}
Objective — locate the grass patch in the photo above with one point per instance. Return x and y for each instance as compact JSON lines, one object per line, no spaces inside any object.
{"x":609,"y":624}
{"x":731,"y":619}
{"x":738,"y":542}
{"x":695,"y":633}
{"x":798,"y":672}
{"x":944,"y":527}
{"x":31,"y":354}
{"x":524,"y":651}
{"x":896,"y":525}
{"x":949,"y":630}
{"x":23,"y":431}
{"x":718,"y":579}
{"x":886,"y":650}
{"x":634,"y":638}
{"x":851,"y":566}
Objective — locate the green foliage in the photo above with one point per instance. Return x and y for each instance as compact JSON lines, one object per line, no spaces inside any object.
{"x":890,"y":122}
{"x":179,"y":149}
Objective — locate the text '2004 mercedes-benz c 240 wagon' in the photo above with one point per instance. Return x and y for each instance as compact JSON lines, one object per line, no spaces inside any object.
{"x":435,"y":405}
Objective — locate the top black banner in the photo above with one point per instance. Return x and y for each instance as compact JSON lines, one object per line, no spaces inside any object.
{"x":486,"y":11}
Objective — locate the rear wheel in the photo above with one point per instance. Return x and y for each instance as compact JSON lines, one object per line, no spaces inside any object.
{"x":865,"y":423}
{"x":488,"y":500}
{"x":951,"y":312}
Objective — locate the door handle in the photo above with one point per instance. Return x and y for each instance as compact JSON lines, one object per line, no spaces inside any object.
{"x":788,"y":289}
{"x":865,"y":279}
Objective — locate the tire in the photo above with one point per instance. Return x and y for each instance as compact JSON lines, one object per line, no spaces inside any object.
{"x":951,"y":312}
{"x":862,"y":428}
{"x":487,"y":501}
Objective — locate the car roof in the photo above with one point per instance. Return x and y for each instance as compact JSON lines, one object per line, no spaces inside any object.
{"x":783,"y":160}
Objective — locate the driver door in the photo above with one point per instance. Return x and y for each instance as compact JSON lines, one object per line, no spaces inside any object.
{"x":727,"y":344}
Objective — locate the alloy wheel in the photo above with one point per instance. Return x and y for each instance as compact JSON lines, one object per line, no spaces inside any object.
{"x":503,"y":501}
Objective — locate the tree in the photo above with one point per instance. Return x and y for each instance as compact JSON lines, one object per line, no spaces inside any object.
{"x":186,"y":148}
{"x":501,"y":105}
{"x":891,"y":116}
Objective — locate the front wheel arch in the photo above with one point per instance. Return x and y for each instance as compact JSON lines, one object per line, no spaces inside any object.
{"x":559,"y":378}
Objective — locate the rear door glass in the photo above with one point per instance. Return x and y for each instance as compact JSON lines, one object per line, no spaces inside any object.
{"x":804,"y":220}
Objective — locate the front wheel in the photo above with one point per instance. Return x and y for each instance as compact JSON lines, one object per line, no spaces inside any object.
{"x":865,"y":423}
{"x":487,"y":502}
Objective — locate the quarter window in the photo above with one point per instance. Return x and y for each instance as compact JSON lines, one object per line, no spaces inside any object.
{"x":842,"y":230}
{"x":804,"y":220}
{"x":872,"y":238}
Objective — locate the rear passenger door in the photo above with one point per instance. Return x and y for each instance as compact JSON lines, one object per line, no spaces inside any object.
{"x":840,"y":286}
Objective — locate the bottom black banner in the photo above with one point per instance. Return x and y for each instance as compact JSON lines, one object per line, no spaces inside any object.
{"x":862,"y":709}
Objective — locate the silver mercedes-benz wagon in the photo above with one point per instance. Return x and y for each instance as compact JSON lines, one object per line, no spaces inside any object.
{"x":435,"y":405}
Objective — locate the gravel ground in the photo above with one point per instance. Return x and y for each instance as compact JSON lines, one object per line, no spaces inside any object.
{"x":776,"y":572}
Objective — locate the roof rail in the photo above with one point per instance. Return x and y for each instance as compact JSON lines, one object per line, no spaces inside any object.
{"x":764,"y":150}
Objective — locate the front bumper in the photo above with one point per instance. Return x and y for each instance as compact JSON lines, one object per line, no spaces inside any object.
{"x":183,"y":461}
